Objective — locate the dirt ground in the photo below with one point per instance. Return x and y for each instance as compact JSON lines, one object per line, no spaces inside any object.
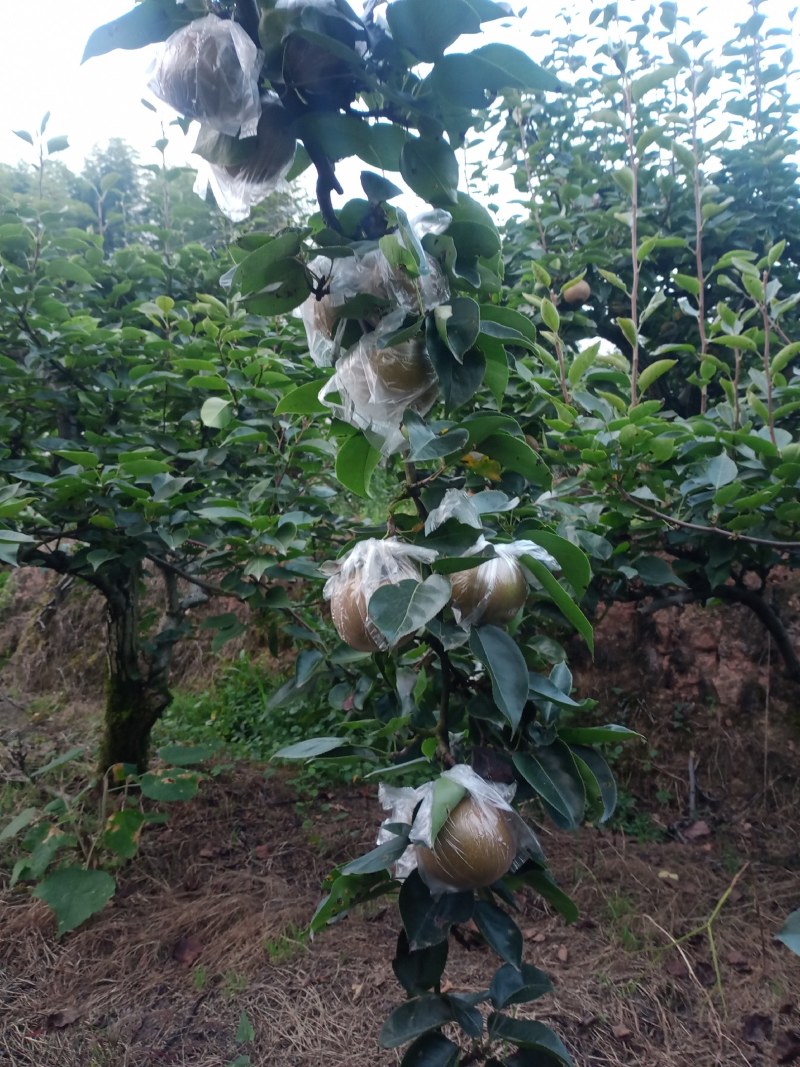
{"x":207,"y":925}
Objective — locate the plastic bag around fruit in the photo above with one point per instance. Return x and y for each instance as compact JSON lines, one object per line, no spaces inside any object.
{"x":370,"y":275}
{"x":208,"y":70}
{"x":257,"y":165}
{"x":353,"y":579}
{"x":482,"y":838}
{"x":374,"y":385}
{"x":494,"y":591}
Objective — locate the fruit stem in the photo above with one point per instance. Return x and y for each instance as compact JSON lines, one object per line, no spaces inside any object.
{"x":412,"y":489}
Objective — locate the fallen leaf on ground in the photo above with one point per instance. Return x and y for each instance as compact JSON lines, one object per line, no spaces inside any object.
{"x":756,"y":1028}
{"x":186,"y":950}
{"x":697,"y":830}
{"x":620,"y":1031}
{"x":563,"y":953}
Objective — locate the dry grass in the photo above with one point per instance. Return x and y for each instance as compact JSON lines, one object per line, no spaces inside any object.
{"x":206,"y":926}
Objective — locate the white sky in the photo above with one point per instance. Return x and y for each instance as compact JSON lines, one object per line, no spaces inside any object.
{"x":44,"y":40}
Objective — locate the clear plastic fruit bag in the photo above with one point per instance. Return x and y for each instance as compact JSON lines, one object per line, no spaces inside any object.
{"x":374,"y":385}
{"x":369,"y":275}
{"x":208,"y":70}
{"x":257,"y":165}
{"x":482,"y":838}
{"x":353,"y":579}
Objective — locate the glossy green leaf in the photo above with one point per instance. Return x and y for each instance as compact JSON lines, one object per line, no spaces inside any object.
{"x":563,"y":601}
{"x":403,"y":608}
{"x":427,"y":29}
{"x":431,"y":1050}
{"x":500,"y":931}
{"x":528,"y":1034}
{"x":552,"y":772}
{"x":419,"y":970}
{"x":507,"y":669}
{"x":356,"y":461}
{"x":518,"y":985}
{"x":430,"y":169}
{"x":415,"y":1017}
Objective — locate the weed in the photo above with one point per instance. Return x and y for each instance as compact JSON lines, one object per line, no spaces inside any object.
{"x":199,"y":978}
{"x":287,"y":945}
{"x":233,"y":984}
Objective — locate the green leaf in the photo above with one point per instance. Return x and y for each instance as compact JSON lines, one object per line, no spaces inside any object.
{"x":74,"y":895}
{"x":427,"y":29}
{"x":431,"y":1050}
{"x":413,"y":1018}
{"x":446,"y":796}
{"x":380,"y":858}
{"x":720,"y":470}
{"x":500,"y":931}
{"x":597,"y":735}
{"x":427,"y":919}
{"x":426,"y":445}
{"x":528,"y":1034}
{"x":458,"y":381}
{"x":259,"y":267}
{"x":467,"y":78}
{"x":314,"y":746}
{"x":18,"y":823}
{"x":170,"y":785}
{"x":563,"y":601}
{"x":216,"y":412}
{"x":419,"y":970}
{"x":782,"y":358}
{"x":122,"y":832}
{"x":355,"y":462}
{"x":656,"y":571}
{"x":518,"y":985}
{"x":652,"y":80}
{"x":401,"y":609}
{"x":462,"y":327}
{"x":59,"y":761}
{"x":187,"y":755}
{"x":304,"y":400}
{"x":654,"y":372}
{"x":790,"y":932}
{"x":598,"y":780}
{"x":515,"y":454}
{"x":430,"y":169}
{"x":245,"y":1032}
{"x":66,"y":270}
{"x":57,"y":144}
{"x":507,"y":669}
{"x":148,"y":23}
{"x":550,"y":316}
{"x":552,"y":772}
{"x":575,"y":566}
{"x":378,"y":189}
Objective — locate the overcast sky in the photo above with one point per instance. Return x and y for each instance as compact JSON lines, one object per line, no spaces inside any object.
{"x":44,"y":41}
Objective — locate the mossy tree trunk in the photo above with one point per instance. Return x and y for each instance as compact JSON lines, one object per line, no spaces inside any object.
{"x":135,"y":699}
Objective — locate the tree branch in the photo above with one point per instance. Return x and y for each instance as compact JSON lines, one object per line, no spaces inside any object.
{"x":783,"y":546}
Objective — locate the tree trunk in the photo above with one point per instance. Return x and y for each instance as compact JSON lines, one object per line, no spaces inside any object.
{"x":133,"y":703}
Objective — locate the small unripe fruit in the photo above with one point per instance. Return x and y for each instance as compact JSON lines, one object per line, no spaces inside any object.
{"x":473,"y":849}
{"x":578,"y":293}
{"x":490,"y":593}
